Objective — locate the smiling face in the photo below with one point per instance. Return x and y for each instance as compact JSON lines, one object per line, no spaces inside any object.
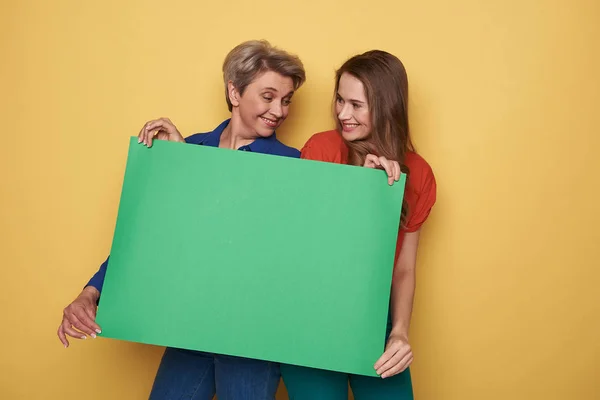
{"x":352,"y":108}
{"x":264,"y":104}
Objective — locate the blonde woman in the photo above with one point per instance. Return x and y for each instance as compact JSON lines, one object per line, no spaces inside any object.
{"x":260,"y":81}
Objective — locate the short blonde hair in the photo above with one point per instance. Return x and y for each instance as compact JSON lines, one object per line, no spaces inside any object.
{"x":251,"y":58}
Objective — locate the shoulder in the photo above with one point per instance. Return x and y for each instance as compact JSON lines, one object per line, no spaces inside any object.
{"x":326,"y":146}
{"x":420,"y":191}
{"x":197,"y":138}
{"x":421,"y":175}
{"x":328,"y":138}
{"x":208,"y":138}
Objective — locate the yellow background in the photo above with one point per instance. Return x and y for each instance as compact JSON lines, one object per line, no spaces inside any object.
{"x":504,"y":98}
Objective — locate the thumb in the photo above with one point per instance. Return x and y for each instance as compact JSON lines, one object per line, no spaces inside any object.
{"x":371,"y":161}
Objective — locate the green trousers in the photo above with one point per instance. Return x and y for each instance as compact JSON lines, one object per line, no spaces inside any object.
{"x":315,"y":384}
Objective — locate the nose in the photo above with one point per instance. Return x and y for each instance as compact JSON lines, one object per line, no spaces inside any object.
{"x":345,"y":113}
{"x":276,"y":109}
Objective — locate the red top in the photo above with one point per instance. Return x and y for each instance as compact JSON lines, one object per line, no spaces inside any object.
{"x":420,"y":188}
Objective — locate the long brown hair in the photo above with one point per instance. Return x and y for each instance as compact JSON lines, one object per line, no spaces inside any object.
{"x":386,"y":87}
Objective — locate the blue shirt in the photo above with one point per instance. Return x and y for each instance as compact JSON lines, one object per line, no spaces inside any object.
{"x":265,"y":145}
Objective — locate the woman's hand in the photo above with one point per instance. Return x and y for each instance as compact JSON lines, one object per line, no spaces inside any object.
{"x":392,"y":168}
{"x":396,"y":358}
{"x":80,"y":314}
{"x":160,"y":129}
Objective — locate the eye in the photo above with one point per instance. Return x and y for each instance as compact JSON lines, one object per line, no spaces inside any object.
{"x":339,"y":100}
{"x":267,"y":98}
{"x":356,"y":106}
{"x":286,"y":102}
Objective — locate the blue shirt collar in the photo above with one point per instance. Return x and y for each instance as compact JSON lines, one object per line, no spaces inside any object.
{"x":260,"y":145}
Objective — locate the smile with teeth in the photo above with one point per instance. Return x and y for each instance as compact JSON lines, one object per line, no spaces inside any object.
{"x":349,"y":126}
{"x":269,"y":122}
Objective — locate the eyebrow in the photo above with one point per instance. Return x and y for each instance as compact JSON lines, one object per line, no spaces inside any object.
{"x":351,"y":100}
{"x":276,"y":91}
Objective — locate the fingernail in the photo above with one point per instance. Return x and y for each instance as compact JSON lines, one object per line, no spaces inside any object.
{"x":139,"y":140}
{"x":98,"y":331}
{"x":66,"y":346}
{"x":83,"y":337}
{"x":93,"y":336}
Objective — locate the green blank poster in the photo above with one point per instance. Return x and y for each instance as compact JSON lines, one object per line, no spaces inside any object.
{"x":252,"y":255}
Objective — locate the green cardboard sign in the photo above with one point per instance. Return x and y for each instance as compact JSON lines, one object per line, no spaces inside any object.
{"x":252,"y":255}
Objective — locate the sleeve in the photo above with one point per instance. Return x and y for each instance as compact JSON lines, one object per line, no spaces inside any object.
{"x":97,"y":280}
{"x":310,"y":151}
{"x":196,"y":138}
{"x":425,"y":197}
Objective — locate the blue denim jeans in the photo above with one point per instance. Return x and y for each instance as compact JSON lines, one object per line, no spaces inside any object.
{"x":194,"y":375}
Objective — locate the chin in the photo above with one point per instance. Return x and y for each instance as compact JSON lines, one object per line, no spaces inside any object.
{"x":351,"y":136}
{"x":265,"y":132}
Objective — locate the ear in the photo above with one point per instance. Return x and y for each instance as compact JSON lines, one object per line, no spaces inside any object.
{"x":234,"y":95}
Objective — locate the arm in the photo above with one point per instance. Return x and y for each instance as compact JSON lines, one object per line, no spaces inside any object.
{"x":97,"y":280}
{"x":421,"y":195}
{"x":403,"y":285}
{"x":398,"y":353}
{"x":81,"y":313}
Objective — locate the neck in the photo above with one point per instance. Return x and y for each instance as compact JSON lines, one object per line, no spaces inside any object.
{"x":236,"y":135}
